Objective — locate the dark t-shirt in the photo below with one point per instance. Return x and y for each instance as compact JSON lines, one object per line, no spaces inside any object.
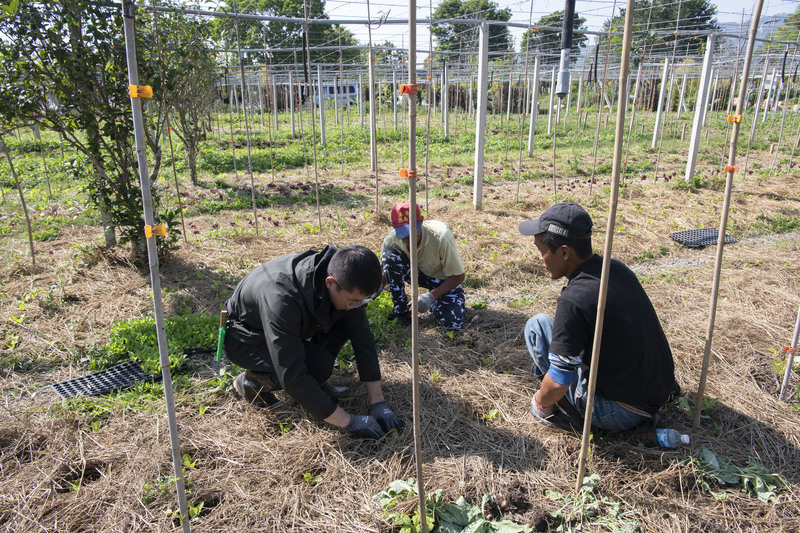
{"x":636,"y":364}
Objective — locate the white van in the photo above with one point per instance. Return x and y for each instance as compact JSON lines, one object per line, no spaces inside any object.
{"x":342,"y":94}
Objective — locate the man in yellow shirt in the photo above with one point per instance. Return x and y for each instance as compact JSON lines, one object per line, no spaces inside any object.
{"x":439,"y":265}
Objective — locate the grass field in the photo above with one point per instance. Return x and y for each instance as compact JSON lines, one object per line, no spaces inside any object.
{"x":103,"y":463}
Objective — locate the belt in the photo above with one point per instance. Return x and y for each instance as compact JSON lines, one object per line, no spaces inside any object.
{"x":640,"y":410}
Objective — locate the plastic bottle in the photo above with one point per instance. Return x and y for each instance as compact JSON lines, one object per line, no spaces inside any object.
{"x":668,"y":438}
{"x":671,"y":438}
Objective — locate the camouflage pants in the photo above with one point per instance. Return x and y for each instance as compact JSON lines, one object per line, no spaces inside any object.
{"x":448,"y":309}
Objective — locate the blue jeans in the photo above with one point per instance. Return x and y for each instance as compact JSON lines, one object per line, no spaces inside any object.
{"x":606,"y":414}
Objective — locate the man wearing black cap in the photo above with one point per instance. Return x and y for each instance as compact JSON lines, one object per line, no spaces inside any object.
{"x":439,"y":266}
{"x":635,"y":376}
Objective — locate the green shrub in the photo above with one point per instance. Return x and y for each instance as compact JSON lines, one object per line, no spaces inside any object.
{"x":136,"y":339}
{"x":47,"y":234}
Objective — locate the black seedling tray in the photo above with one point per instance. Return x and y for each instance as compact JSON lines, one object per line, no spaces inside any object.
{"x":695,"y":238}
{"x":114,"y":378}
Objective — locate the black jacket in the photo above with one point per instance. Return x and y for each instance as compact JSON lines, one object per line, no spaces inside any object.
{"x":284,"y":302}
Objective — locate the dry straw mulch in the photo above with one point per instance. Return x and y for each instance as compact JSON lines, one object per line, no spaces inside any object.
{"x":250,"y":473}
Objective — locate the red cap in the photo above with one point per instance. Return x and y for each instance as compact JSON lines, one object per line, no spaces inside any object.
{"x":400,"y":218}
{"x":400,"y":213}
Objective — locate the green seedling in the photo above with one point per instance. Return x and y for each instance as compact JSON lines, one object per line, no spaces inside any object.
{"x":435,"y":376}
{"x":11,"y":341}
{"x":479,"y":304}
{"x":160,"y":487}
{"x":712,"y":470}
{"x":586,"y":509}
{"x":439,"y":515}
{"x":491,"y":415}
{"x":486,"y":361}
{"x":285,"y":428}
{"x":187,"y":462}
{"x":310,"y":479}
{"x":689,"y":405}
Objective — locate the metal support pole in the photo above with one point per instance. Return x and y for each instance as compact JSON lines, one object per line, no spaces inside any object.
{"x":681,"y":100}
{"x":660,"y":108}
{"x":445,"y":101}
{"x":757,"y":109}
{"x":480,"y":123}
{"x":321,"y":101}
{"x":700,"y":108}
{"x":361,"y":100}
{"x":275,"y":102}
{"x":394,"y":96}
{"x":534,"y":106}
{"x":128,"y":14}
{"x":552,"y":99}
{"x":291,"y":102}
{"x":769,"y":95}
{"x":508,"y":99}
{"x":373,"y":118}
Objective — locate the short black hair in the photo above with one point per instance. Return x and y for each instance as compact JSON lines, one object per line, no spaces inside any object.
{"x":356,"y":268}
{"x":582,"y":247}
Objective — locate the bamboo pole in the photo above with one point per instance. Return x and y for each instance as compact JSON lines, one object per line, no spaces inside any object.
{"x":730,"y":169}
{"x":412,"y":198}
{"x":790,"y":354}
{"x":612,"y":213}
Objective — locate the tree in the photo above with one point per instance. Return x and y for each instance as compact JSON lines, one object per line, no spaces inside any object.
{"x":547,"y":42}
{"x":457,"y":37}
{"x":389,"y":56}
{"x":788,"y":31}
{"x":339,"y":36}
{"x":64,"y":68}
{"x":186,"y":77}
{"x":280,"y":37}
{"x":48,"y":47}
{"x":654,"y":24}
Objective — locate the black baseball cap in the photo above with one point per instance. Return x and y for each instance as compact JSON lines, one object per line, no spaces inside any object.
{"x":567,"y":219}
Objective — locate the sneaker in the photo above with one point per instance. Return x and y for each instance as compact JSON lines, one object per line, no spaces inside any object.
{"x":569,"y":411}
{"x":334,"y":391}
{"x":254,"y":392}
{"x":558,"y":421}
{"x":402,"y":319}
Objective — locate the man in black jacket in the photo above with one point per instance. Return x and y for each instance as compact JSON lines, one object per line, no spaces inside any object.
{"x":287,"y":321}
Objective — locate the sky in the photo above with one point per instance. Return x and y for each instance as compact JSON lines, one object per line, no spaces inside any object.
{"x":596,"y":12}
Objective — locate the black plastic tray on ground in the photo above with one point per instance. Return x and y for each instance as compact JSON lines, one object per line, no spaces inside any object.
{"x":117,"y":377}
{"x":700,"y":237}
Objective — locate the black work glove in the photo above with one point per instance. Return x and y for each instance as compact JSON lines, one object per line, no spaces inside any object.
{"x":385,"y":417}
{"x":364,"y":426}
